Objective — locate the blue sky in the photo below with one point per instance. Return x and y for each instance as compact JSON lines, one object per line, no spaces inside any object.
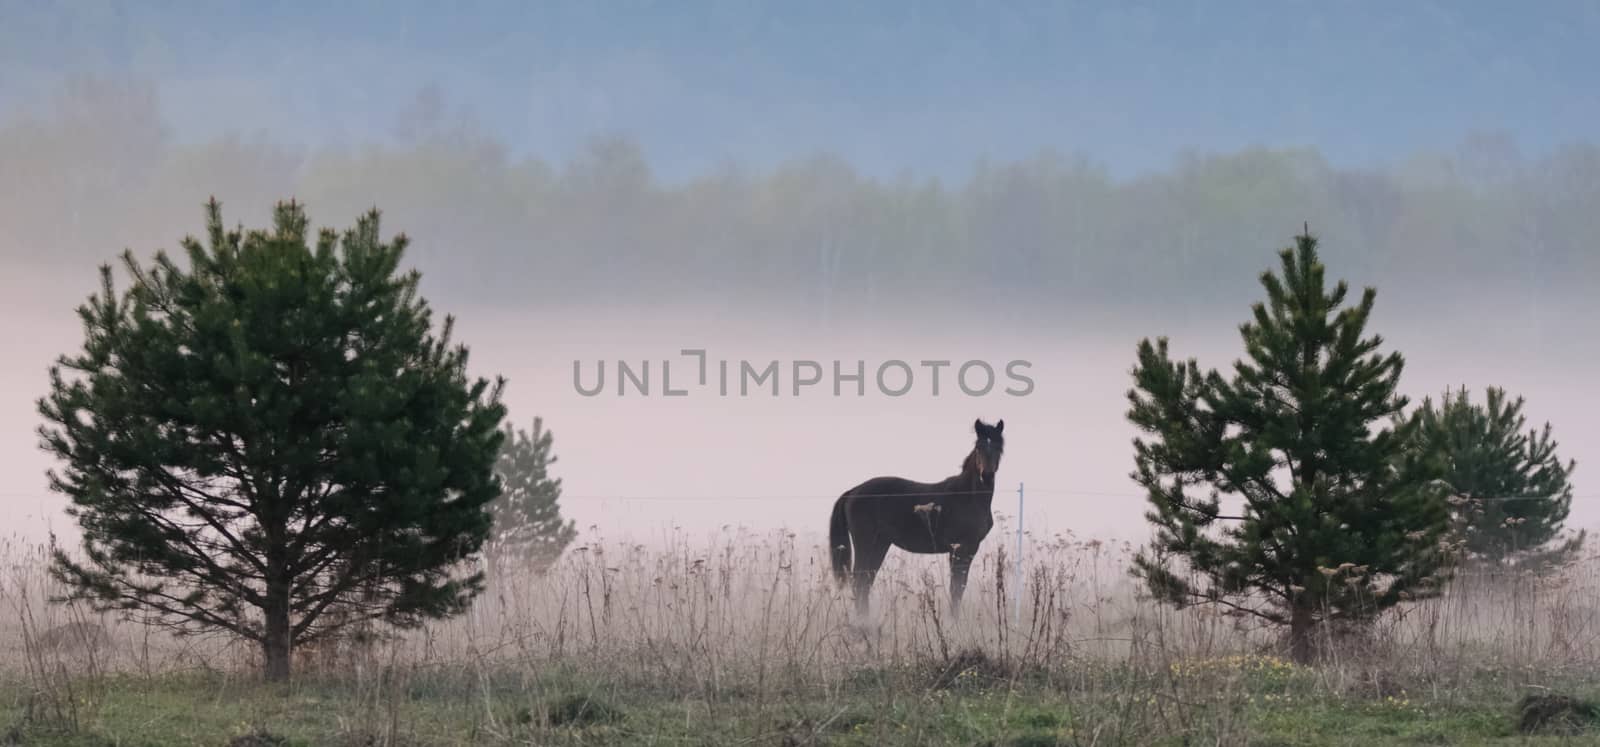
{"x":920,"y":86}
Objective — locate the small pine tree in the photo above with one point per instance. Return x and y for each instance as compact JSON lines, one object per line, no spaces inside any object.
{"x":1511,"y":493}
{"x":528,"y":528}
{"x":272,"y":440}
{"x":1339,"y":521}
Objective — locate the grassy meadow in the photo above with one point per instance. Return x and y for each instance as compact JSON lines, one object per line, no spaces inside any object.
{"x":738,"y":638}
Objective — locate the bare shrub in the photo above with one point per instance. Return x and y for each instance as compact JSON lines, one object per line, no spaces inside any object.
{"x":756,"y":618}
{"x":76,"y":637}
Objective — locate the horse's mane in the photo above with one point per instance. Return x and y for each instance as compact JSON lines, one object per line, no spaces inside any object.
{"x":970,"y":464}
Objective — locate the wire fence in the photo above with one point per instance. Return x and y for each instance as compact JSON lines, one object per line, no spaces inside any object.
{"x":1031,"y":492}
{"x":998,"y":493}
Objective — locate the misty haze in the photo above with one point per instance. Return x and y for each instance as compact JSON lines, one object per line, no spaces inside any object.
{"x":590,"y":192}
{"x":1481,"y":258}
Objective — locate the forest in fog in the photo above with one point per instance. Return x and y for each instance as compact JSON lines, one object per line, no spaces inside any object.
{"x":96,"y":170}
{"x":1234,"y":365}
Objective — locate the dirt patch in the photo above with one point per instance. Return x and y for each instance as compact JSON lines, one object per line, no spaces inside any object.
{"x":1556,"y":714}
{"x":258,"y":738}
{"x":581,"y":710}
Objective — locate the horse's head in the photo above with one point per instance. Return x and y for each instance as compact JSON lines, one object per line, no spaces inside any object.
{"x":990,"y":446}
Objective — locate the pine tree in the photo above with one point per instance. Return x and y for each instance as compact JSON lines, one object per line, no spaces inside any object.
{"x":271,"y":441}
{"x":528,"y":529}
{"x":1339,"y":519}
{"x":1510,"y":491}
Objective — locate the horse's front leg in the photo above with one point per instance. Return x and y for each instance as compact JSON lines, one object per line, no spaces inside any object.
{"x":960,"y":563}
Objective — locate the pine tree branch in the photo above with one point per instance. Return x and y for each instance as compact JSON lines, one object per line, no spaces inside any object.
{"x":214,"y":575}
{"x":238,"y":548}
{"x":311,"y":533}
{"x":314,"y":605}
{"x":122,"y":589}
{"x":1207,"y":516}
{"x":1202,"y":598}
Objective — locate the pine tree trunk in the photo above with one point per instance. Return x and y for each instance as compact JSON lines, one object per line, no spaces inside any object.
{"x":276,"y":644}
{"x":1302,"y":648}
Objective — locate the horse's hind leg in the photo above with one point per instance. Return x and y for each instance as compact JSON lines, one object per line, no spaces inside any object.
{"x":870,"y":552}
{"x":960,"y":563}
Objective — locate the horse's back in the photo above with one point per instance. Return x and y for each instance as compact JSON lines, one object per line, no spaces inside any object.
{"x":889,"y":487}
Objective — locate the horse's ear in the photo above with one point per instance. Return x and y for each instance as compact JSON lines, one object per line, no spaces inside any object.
{"x":999,"y":426}
{"x":977,"y":425}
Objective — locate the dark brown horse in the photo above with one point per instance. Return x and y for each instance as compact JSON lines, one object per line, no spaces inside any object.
{"x":952,"y":516}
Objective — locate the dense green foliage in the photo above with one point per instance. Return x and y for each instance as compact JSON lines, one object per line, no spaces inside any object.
{"x":1340,"y":519}
{"x":1511,"y":492}
{"x":271,"y":435}
{"x":529,"y":532}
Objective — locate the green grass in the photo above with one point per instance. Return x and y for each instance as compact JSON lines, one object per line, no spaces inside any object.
{"x":752,"y":647}
{"x":1228,"y":704}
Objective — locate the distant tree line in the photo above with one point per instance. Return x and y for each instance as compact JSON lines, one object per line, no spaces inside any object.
{"x":1053,"y":229}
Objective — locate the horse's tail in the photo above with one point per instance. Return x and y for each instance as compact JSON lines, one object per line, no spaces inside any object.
{"x":839,"y":541}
